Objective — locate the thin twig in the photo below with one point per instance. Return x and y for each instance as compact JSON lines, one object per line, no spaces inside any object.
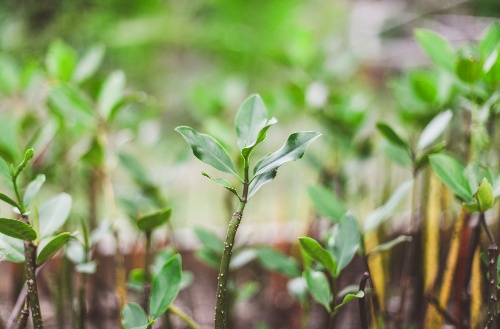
{"x":363,"y":314}
{"x":184,"y":317}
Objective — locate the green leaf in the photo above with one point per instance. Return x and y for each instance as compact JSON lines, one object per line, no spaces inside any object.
{"x":32,"y":189}
{"x":424,"y":85}
{"x":17,"y":229}
{"x":150,"y":221}
{"x":348,"y":298}
{"x":260,"y":180}
{"x":54,"y":213}
{"x":224,"y":183}
{"x":490,"y":41}
{"x":209,"y":257}
{"x":70,"y":103}
{"x":12,"y":248}
{"x":326,"y":203}
{"x":208,"y":150}
{"x":209,"y":240}
{"x":292,"y":150}
{"x":318,"y":286}
{"x":10,"y":75}
{"x":27,"y":157}
{"x":437,"y":48}
{"x":95,"y":155}
{"x":391,"y":136}
{"x":423,"y":159}
{"x":275,"y":260}
{"x":251,"y":118}
{"x":451,"y":173}
{"x":314,"y":250}
{"x":390,"y":244}
{"x":5,"y":169}
{"x":8,"y":200}
{"x":246,"y":291}
{"x":469,"y":68}
{"x":484,"y":198}
{"x":134,"y":317}
{"x":347,"y":241}
{"x":260,"y":138}
{"x":111,"y":93}
{"x":377,"y":216}
{"x":434,"y":129}
{"x":165,"y":286}
{"x":89,"y":64}
{"x":52,"y":247}
{"x":60,"y":60}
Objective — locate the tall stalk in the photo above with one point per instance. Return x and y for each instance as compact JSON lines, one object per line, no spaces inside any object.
{"x":222,"y":279}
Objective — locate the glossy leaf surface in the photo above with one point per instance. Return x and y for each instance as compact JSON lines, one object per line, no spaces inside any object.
{"x":32,"y":189}
{"x":293,"y":150}
{"x":251,"y":118}
{"x":208,"y":150}
{"x":314,"y":250}
{"x":12,"y":248}
{"x":347,"y":241}
{"x":17,"y":229}
{"x":259,"y":181}
{"x":224,"y":183}
{"x":52,"y":247}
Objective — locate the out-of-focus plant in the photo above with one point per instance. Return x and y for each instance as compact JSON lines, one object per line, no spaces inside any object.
{"x":38,"y":235}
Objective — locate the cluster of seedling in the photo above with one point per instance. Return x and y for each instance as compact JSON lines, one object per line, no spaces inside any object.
{"x":461,"y":87}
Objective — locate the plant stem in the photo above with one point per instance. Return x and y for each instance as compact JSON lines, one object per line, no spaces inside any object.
{"x":184,"y":317}
{"x":25,"y":312}
{"x":363,"y":314}
{"x":30,"y":268}
{"x":222,"y":279}
{"x":222,"y":295}
{"x":147,"y":274}
{"x":492,"y":269}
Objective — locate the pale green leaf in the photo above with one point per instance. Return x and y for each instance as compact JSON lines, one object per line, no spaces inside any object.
{"x":152,"y":220}
{"x":54,"y":213}
{"x":165,"y":286}
{"x":134,"y":317}
{"x":251,"y":118}
{"x":318,"y":287}
{"x":451,"y":173}
{"x":32,"y":189}
{"x":348,"y":298}
{"x":292,"y":150}
{"x":224,"y":183}
{"x":260,"y":180}
{"x":434,"y":129}
{"x":437,"y":48}
{"x":347,"y":241}
{"x":111,"y":93}
{"x":275,"y":260}
{"x":314,"y":250}
{"x":89,"y":64}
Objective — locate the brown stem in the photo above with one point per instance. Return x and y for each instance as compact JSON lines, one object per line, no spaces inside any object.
{"x":444,"y":313}
{"x":363,"y":314}
{"x":25,"y":312}
{"x":492,"y":269}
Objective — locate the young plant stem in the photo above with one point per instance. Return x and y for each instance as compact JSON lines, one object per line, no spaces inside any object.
{"x":25,"y":312}
{"x":333,"y":289}
{"x":81,"y":301}
{"x":222,"y":293}
{"x":492,"y":269}
{"x":147,"y":274}
{"x":30,"y":268}
{"x":184,"y":317}
{"x":363,"y":313}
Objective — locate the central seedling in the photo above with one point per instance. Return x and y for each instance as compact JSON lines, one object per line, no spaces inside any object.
{"x":252,"y":124}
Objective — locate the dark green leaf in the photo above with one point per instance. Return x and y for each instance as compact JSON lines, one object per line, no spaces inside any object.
{"x":209,"y":240}
{"x":54,"y":213}
{"x":437,"y":48}
{"x":469,"y":68}
{"x":377,"y":216}
{"x":12,"y":248}
{"x":224,"y":183}
{"x":150,"y":221}
{"x":318,"y":286}
{"x":134,"y":317}
{"x":89,"y":64}
{"x":293,"y":149}
{"x":165,"y":286}
{"x":326,"y":203}
{"x":425,"y":85}
{"x":391,"y":136}
{"x":208,"y":150}
{"x":17,"y":229}
{"x":451,"y":173}
{"x":251,"y":118}
{"x":347,"y":241}
{"x":275,"y":260}
{"x":53,"y":246}
{"x":259,"y":181}
{"x":348,"y":298}
{"x":8,"y":200}
{"x":60,"y":60}
{"x":32,"y":189}
{"x":111,"y":93}
{"x":314,"y":250}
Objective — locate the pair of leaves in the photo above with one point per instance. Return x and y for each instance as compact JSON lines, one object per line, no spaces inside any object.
{"x":342,"y":246}
{"x":164,"y":289}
